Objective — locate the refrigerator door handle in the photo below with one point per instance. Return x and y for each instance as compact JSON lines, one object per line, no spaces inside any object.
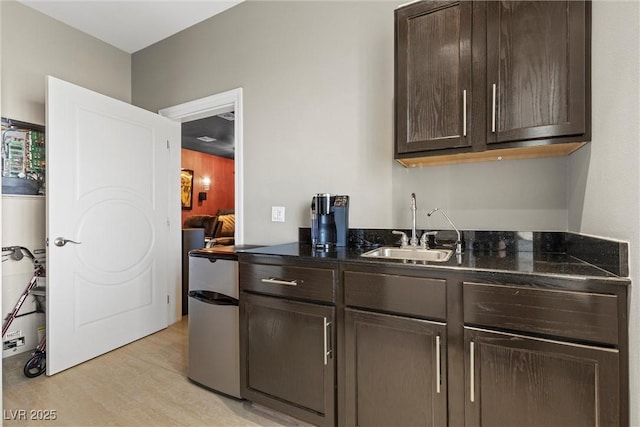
{"x":213,"y":298}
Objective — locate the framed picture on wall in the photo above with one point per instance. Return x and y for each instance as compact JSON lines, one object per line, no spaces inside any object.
{"x":186,"y":188}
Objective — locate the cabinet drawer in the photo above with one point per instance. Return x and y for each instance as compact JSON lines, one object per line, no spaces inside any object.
{"x":397,"y":294}
{"x":579,"y":315}
{"x":316,"y":284}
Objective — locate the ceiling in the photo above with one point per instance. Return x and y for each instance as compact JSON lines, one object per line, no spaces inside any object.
{"x":215,"y":127}
{"x":131,"y":25}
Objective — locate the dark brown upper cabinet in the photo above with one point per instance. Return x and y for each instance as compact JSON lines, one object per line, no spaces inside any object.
{"x":433,"y":76}
{"x":479,"y":81}
{"x":536,"y":72}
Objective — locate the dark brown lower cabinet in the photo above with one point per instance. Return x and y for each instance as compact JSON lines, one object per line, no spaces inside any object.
{"x":395,"y":370}
{"x":516,"y":380}
{"x":288,"y":359}
{"x":367,"y":345}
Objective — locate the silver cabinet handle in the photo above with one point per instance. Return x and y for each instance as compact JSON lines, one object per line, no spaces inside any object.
{"x":327,"y":351}
{"x":61,"y":241}
{"x":275,"y":281}
{"x":472,"y":374}
{"x":493,"y":110}
{"x":438,"y":379}
{"x":464,"y":113}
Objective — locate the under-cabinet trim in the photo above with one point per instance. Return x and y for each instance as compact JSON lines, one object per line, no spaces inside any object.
{"x":538,"y":151}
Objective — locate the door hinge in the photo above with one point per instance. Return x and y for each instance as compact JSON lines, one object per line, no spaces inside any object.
{"x":168,"y":222}
{"x":168,"y":145}
{"x":167,"y":299}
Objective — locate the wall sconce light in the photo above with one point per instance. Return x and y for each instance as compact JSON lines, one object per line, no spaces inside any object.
{"x":202,"y":196}
{"x":206,"y":181}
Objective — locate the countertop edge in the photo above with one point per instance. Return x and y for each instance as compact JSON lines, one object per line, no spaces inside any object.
{"x":297,"y":251}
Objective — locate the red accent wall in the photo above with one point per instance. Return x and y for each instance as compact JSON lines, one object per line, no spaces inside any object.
{"x":221,"y":194}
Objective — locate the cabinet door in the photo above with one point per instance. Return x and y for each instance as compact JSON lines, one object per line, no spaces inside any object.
{"x":433,"y":76}
{"x":287,"y":357}
{"x":520,"y":381}
{"x":396,"y":371}
{"x":537,"y":70}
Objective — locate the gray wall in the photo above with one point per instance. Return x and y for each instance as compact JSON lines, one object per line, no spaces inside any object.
{"x":34,"y":46}
{"x":318,"y":102}
{"x":317,"y":82}
{"x":604,"y":181}
{"x":521,"y":195}
{"x":318,"y":98}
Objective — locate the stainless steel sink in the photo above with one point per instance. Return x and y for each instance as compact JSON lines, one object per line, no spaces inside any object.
{"x":410,"y":254}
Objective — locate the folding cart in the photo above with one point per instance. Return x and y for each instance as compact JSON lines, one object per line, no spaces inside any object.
{"x":37,"y":364}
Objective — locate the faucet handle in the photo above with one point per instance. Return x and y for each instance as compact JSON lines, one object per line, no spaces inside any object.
{"x":404,"y":240}
{"x":424,"y":239}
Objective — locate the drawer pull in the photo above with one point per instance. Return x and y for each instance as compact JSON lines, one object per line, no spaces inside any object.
{"x":275,"y":281}
{"x":472,"y":373}
{"x":464,"y":113}
{"x":438,"y":379}
{"x":493,"y":108}
{"x":327,"y":350}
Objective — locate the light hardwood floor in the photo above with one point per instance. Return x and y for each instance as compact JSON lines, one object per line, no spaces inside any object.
{"x":141,"y":384}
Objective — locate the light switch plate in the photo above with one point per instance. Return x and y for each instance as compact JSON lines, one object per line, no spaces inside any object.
{"x":277,"y":213}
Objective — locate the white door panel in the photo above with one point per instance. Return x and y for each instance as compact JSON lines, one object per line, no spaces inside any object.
{"x":108,"y":171}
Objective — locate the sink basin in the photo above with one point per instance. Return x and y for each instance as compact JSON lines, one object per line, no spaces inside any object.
{"x":410,"y":254}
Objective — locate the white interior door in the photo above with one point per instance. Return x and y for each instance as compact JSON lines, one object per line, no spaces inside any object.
{"x":109,"y":189}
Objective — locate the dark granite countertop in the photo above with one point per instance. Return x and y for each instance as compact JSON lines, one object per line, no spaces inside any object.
{"x":536,"y":253}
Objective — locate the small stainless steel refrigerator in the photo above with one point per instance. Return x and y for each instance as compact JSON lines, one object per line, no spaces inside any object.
{"x":214,"y":342}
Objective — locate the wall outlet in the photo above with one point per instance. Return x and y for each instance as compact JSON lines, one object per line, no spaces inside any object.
{"x":277,"y":213}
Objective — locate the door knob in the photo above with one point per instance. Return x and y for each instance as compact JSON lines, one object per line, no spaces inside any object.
{"x":61,"y":241}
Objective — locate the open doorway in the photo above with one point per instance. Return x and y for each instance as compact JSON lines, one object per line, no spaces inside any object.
{"x":192,"y":115}
{"x":207,"y":165}
{"x":215,"y":105}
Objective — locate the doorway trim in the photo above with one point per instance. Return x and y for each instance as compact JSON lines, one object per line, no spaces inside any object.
{"x":213,"y":105}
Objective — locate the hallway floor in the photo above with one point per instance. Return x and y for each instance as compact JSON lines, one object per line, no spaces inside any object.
{"x":141,"y":384}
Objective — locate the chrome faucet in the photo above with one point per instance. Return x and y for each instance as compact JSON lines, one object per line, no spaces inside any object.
{"x":413,"y":242}
{"x":459,"y":241}
{"x":414,"y":239}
